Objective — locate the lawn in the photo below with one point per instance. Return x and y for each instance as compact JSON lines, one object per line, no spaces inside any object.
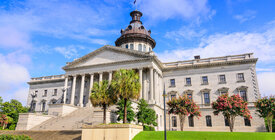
{"x":191,"y":135}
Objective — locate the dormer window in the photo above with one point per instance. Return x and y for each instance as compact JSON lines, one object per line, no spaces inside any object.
{"x":141,"y":27}
{"x":130,"y":27}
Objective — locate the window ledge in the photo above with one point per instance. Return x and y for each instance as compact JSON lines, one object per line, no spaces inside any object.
{"x":240,"y":81}
{"x":222,"y":82}
{"x":188,"y":85}
{"x":204,"y":83}
{"x":172,"y":86}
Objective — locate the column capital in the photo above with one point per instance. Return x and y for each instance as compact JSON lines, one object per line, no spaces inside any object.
{"x":140,"y":68}
{"x":91,"y":73}
{"x":83,"y":74}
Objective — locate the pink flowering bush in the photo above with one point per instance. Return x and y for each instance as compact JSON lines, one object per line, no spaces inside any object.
{"x":230,"y":107}
{"x":266,"y":109}
{"x":183,"y":107}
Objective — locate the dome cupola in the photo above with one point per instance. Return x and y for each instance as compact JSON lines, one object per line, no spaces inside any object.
{"x":135,"y":36}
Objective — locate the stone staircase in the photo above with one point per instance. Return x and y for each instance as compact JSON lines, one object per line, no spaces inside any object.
{"x":72,"y":121}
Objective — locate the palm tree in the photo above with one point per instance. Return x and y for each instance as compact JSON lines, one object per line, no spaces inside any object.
{"x":4,"y":120}
{"x":126,"y":86}
{"x":101,"y":96}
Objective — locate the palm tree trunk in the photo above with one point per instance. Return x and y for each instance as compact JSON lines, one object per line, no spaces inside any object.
{"x":231,"y":120}
{"x":125,"y":111}
{"x":104,"y":113}
{"x":182,"y":119}
{"x":269,"y":122}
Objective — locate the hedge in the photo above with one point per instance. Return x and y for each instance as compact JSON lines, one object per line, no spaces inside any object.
{"x":14,"y":137}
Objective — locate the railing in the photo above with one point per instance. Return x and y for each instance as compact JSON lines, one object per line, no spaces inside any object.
{"x":48,"y":77}
{"x":209,"y":60}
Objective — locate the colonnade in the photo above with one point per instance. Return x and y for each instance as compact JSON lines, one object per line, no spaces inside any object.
{"x":155,"y":84}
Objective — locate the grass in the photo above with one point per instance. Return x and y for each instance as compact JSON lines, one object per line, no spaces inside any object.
{"x":193,"y":135}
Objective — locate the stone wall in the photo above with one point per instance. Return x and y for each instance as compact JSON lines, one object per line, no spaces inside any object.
{"x":27,"y":121}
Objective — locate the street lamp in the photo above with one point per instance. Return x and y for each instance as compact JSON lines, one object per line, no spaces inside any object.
{"x":164,"y":96}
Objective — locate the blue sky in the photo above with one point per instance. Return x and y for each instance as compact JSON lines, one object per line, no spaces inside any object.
{"x":38,"y":37}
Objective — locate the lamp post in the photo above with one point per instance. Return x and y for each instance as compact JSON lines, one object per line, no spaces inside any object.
{"x":164,"y":96}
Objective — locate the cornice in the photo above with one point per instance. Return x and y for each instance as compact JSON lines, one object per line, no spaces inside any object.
{"x":234,"y":62}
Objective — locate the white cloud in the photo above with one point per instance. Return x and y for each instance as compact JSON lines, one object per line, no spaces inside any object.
{"x":266,"y":83}
{"x":13,"y":79}
{"x":71,"y":51}
{"x":186,"y":32}
{"x":167,"y":9}
{"x":260,"y":43}
{"x":246,"y":16}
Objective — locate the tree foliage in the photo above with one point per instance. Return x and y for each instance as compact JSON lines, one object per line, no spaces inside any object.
{"x":126,"y":86}
{"x":266,"y":109}
{"x":146,"y":115}
{"x":102,"y":96}
{"x":230,"y":107}
{"x":129,"y":108}
{"x":183,"y":107}
{"x":12,"y":109}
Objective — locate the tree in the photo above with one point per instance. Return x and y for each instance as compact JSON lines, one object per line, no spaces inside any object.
{"x":12,"y":110}
{"x":266,"y":109}
{"x":101,"y":96}
{"x":126,"y":86}
{"x":3,"y":121}
{"x":146,"y":115}
{"x":230,"y":107}
{"x":183,"y":107}
{"x":120,"y":111}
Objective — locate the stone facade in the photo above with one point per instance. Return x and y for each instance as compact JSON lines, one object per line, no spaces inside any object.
{"x":201,"y":79}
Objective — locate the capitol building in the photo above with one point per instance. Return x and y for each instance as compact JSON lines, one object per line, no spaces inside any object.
{"x":61,"y":102}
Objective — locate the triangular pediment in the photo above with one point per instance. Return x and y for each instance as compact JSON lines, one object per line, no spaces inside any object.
{"x":106,"y":55}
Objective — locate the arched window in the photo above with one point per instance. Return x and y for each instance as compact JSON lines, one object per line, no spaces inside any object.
{"x":174,"y":121}
{"x":208,"y":121}
{"x":144,"y":48}
{"x":139,"y":47}
{"x":243,"y":94}
{"x":126,"y":46}
{"x":131,"y":46}
{"x":226,"y":122}
{"x":43,"y":103}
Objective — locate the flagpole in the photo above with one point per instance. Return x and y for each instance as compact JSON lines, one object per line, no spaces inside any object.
{"x":164,"y":96}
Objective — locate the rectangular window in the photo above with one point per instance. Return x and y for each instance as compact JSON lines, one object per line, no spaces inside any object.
{"x":189,"y":95}
{"x":206,"y":98}
{"x":222,"y":79}
{"x":172,"y":83}
{"x":55,"y":92}
{"x":223,"y":92}
{"x":191,"y":121}
{"x":173,"y":96}
{"x":174,"y":121}
{"x":208,"y":121}
{"x":240,"y":77}
{"x":126,"y":46}
{"x":45,"y":93}
{"x":144,"y":48}
{"x":131,"y":46}
{"x":188,"y":81}
{"x":247,"y":122}
{"x":205,"y":80}
{"x":243,"y":94}
{"x":226,"y":122}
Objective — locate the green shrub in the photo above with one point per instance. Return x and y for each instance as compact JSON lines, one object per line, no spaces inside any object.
{"x":14,"y":137}
{"x":273,"y":125}
{"x":148,"y":128}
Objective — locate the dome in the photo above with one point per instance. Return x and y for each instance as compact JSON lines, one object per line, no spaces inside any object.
{"x":135,"y":32}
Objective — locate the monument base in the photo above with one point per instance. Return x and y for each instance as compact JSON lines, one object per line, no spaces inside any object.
{"x":110,"y":132}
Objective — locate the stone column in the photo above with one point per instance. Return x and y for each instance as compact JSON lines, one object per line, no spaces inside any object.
{"x":110,"y":77}
{"x":140,"y":81}
{"x":155,"y":86}
{"x":90,"y":89}
{"x":91,"y":82}
{"x":151,"y":83}
{"x":65,"y":89}
{"x":81,"y":90}
{"x":73,"y":89}
{"x":100,"y":77}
